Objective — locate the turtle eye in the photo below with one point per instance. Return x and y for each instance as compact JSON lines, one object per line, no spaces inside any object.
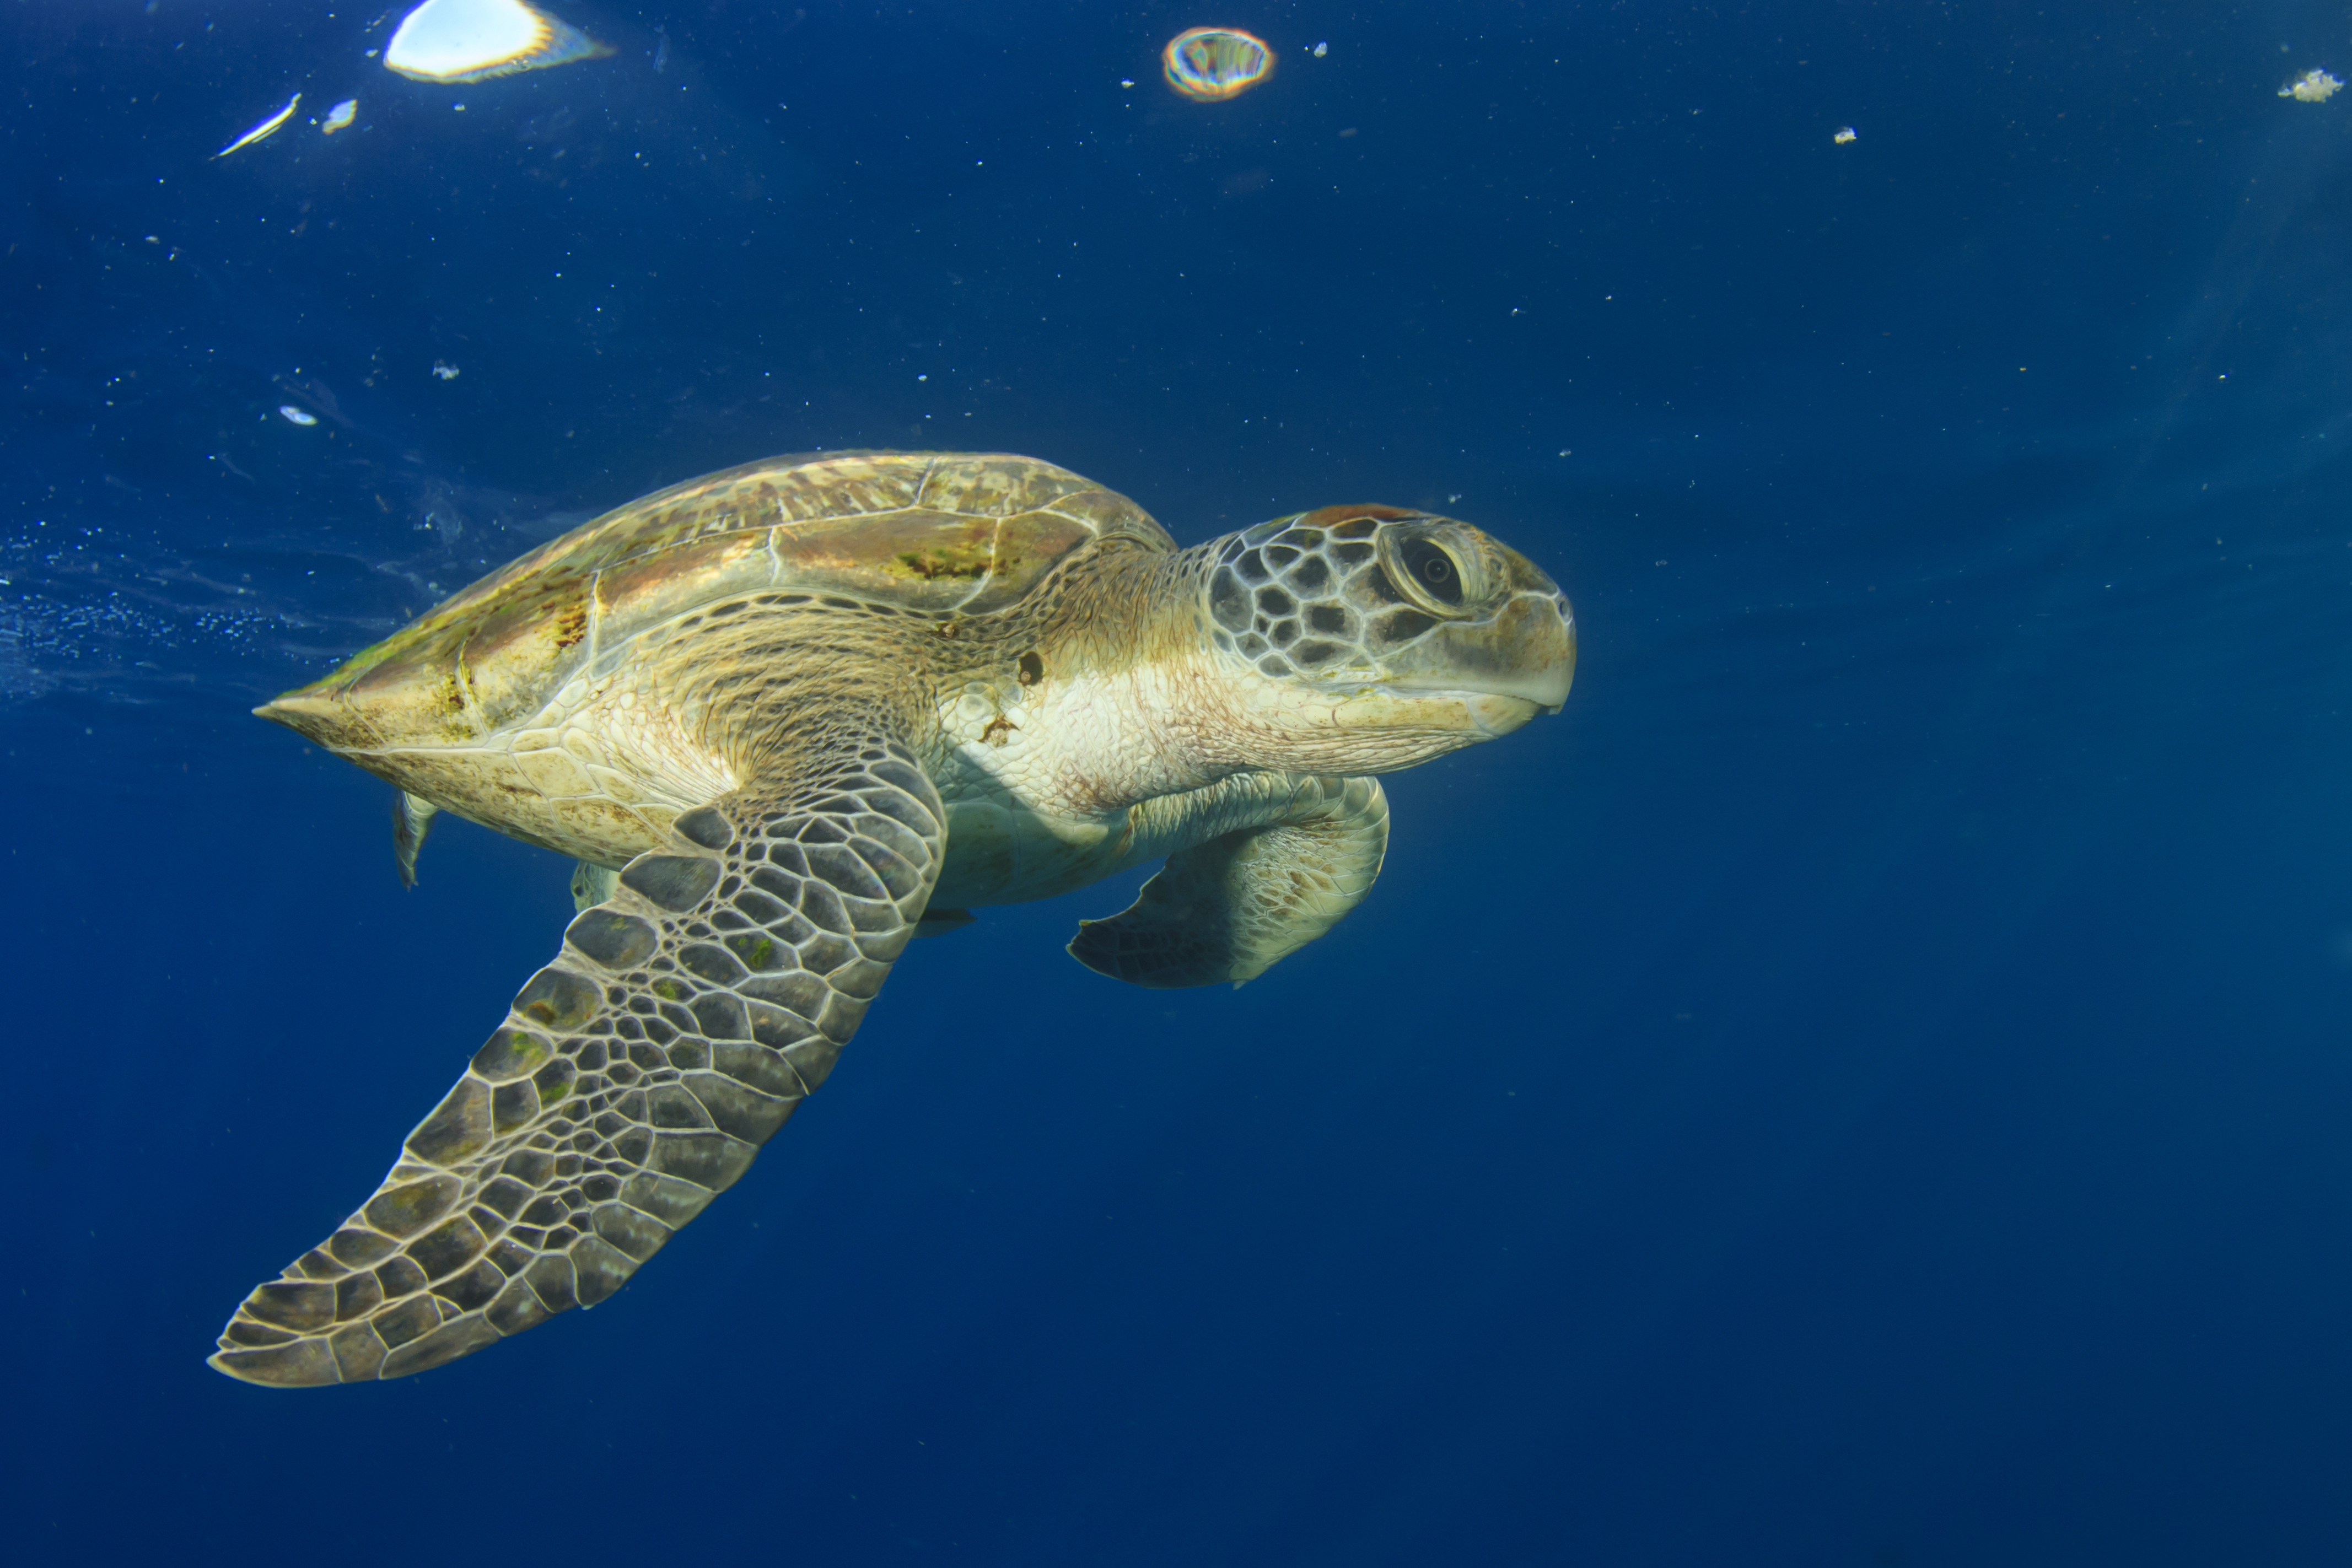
{"x":1426,"y":573}
{"x":1433,"y":570}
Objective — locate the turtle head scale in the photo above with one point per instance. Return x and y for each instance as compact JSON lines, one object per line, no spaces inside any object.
{"x":1413,"y":633}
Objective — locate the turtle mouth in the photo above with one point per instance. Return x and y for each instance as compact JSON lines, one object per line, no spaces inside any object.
{"x":1498,"y":716}
{"x":1525,"y":656}
{"x":1490,"y":714}
{"x":1446,"y":710}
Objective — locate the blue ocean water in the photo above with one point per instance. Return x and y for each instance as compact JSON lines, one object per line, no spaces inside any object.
{"x":1867,"y":1083}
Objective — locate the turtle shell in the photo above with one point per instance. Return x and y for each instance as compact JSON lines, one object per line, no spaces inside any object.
{"x":946,"y":532}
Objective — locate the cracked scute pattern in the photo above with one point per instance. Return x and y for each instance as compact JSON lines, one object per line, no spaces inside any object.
{"x":634,"y":1079}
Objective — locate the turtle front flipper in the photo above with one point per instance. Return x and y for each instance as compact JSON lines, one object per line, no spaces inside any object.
{"x":1227,"y":909}
{"x":635,"y":1078}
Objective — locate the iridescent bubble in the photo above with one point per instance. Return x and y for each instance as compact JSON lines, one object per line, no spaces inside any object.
{"x":469,"y":40}
{"x":1213,"y":63}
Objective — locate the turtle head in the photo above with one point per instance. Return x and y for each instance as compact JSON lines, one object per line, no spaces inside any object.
{"x":1376,"y":637}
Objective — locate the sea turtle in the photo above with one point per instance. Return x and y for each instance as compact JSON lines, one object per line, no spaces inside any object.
{"x":789,"y":714}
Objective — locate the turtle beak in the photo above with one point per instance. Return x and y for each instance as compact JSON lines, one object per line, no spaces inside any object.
{"x":1527,"y":652}
{"x":1522,"y":656}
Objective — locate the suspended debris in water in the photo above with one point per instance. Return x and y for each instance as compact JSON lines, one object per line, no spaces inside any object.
{"x":2311,"y":87}
{"x":445,"y":371}
{"x":266,"y":129}
{"x":468,"y":40}
{"x":1843,"y":137}
{"x":341,"y":115}
{"x":1321,"y":48}
{"x":295,"y":415}
{"x":1213,"y":63}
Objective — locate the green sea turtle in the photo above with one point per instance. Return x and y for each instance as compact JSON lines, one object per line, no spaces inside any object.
{"x":789,"y":714}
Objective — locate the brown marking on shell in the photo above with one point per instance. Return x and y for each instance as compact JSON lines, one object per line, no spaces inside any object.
{"x":900,"y":528}
{"x":514,"y":646}
{"x":417,"y":689}
{"x":996,"y":485}
{"x":840,"y":484}
{"x":910,"y":558}
{"x":654,"y":587}
{"x":1024,"y":546}
{"x":967,"y":560}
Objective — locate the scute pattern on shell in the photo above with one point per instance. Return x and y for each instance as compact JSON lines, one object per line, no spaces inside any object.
{"x":921,"y":531}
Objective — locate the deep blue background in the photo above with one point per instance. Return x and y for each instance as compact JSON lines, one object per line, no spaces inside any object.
{"x":1868,"y":1085}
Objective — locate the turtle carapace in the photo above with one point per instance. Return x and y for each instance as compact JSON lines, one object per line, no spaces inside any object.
{"x":787,"y":717}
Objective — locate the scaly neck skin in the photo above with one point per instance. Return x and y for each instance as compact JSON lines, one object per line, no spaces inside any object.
{"x":1132,"y":699}
{"x":1103,"y":679}
{"x":1129,"y":691}
{"x":1143,"y":703}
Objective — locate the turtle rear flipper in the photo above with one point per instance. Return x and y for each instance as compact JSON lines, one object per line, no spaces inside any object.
{"x":412,"y":819}
{"x":635,"y":1078}
{"x":1227,"y":909}
{"x":943,"y":922}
